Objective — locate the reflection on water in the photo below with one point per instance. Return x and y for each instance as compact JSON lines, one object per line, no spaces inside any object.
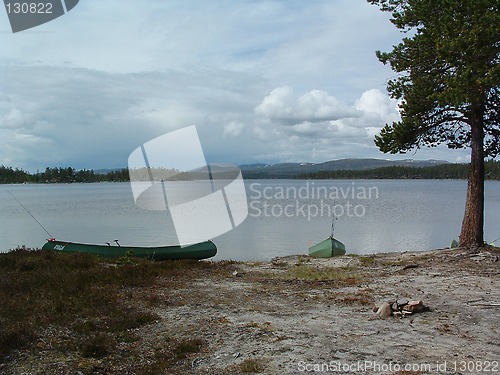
{"x":285,"y":216}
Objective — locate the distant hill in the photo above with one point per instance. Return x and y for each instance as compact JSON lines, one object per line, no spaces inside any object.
{"x":335,"y":169}
{"x":290,"y":170}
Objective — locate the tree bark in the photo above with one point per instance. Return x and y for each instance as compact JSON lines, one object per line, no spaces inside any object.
{"x":471,"y":235}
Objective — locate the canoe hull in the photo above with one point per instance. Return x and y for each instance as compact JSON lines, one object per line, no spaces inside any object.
{"x":327,"y":249}
{"x":202,"y":250}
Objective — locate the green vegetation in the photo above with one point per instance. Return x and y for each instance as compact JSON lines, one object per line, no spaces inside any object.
{"x":81,"y":306}
{"x":184,"y":348}
{"x":13,"y":176}
{"x":8,"y":175}
{"x":362,"y":297}
{"x":341,"y":276}
{"x":40,"y":289}
{"x":252,"y":365}
{"x":442,"y":171}
{"x":447,"y":83}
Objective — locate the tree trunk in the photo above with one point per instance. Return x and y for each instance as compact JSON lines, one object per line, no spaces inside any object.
{"x":471,"y":235}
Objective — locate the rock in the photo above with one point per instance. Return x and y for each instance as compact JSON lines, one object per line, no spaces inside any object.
{"x":409,"y":266}
{"x":402,"y":302}
{"x":398,"y":314}
{"x":399,"y":304}
{"x":384,"y":310}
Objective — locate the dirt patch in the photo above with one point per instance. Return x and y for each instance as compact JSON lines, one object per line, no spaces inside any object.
{"x":297,"y":314}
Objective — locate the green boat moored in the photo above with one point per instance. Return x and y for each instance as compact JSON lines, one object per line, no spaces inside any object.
{"x":201,"y":250}
{"x":327,"y":248}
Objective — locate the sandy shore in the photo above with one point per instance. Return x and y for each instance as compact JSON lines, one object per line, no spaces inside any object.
{"x":301,"y":315}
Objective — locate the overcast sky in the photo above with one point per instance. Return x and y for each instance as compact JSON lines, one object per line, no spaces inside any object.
{"x":263,"y":81}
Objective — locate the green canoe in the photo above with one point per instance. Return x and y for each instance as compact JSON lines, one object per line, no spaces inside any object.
{"x":327,"y":248}
{"x":200,"y":250}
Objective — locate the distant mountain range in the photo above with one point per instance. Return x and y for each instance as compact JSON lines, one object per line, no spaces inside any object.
{"x":335,"y":169}
{"x":286,"y":170}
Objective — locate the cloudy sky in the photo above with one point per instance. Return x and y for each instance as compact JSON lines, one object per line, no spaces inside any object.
{"x":263,"y":81}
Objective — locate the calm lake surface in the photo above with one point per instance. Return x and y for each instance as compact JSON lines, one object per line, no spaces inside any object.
{"x":285,"y":216}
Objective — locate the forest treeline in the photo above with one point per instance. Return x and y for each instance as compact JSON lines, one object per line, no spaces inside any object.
{"x":9,"y":175}
{"x":442,"y":171}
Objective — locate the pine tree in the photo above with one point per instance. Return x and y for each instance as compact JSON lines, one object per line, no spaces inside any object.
{"x":448,"y":84}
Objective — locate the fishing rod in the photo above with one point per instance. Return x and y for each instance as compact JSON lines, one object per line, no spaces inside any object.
{"x":492,"y":242}
{"x":334,"y":218}
{"x":333,"y":224}
{"x":46,"y":231}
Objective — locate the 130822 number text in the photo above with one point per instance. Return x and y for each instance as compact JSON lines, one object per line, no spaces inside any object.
{"x":29,"y":8}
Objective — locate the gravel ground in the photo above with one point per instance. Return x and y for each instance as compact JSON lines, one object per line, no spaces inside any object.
{"x":298,"y":315}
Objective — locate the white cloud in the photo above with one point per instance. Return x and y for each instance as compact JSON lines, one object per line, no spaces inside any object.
{"x":233,"y":129}
{"x":96,"y":120}
{"x":263,"y":80}
{"x":318,"y":110}
{"x":313,"y":106}
{"x":313,"y":125}
{"x":14,"y":119}
{"x":376,"y":102}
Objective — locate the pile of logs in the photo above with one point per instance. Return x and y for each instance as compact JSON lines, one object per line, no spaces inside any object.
{"x":401,"y":308}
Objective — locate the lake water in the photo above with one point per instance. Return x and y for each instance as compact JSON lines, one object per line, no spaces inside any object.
{"x":285,"y":216}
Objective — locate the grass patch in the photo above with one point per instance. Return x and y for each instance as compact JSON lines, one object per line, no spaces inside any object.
{"x":303,"y":258}
{"x":94,"y":301}
{"x":184,"y":348}
{"x":444,"y":328}
{"x":363,"y":297}
{"x":279,"y":263}
{"x":42,"y":288}
{"x":493,"y":249}
{"x":343,"y":276}
{"x":250,"y":365}
{"x":263,"y":327}
{"x":367,"y":260}
{"x":98,"y":346}
{"x":170,"y":356}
